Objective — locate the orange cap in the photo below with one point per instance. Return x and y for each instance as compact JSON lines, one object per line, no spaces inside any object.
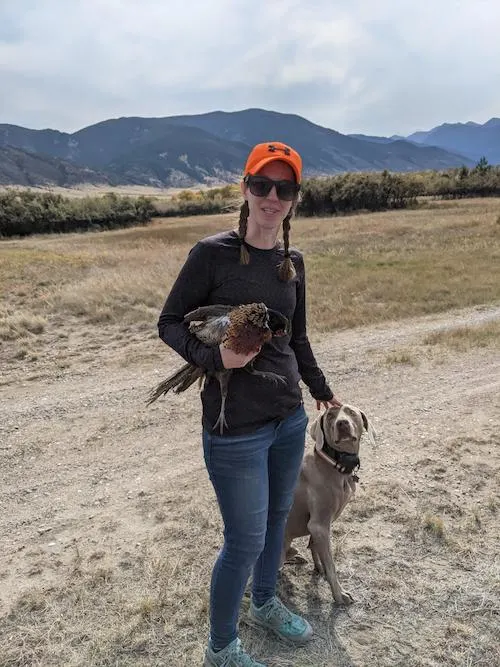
{"x":262,"y":154}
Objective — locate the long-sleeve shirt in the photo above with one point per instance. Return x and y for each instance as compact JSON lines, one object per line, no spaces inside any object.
{"x":212,"y":274}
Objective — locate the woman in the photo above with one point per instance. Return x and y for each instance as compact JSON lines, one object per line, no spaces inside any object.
{"x":254,"y":465}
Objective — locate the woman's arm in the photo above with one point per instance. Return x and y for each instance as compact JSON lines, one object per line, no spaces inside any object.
{"x":308,"y":368}
{"x":190,"y":290}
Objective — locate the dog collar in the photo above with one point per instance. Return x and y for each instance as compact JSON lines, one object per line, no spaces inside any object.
{"x":345,"y":462}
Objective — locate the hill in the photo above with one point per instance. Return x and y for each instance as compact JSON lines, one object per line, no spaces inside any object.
{"x":470,"y":139}
{"x":19,"y":167}
{"x":205,"y":148}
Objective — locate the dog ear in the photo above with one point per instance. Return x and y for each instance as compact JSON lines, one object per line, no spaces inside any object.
{"x":316,"y":433}
{"x":368,"y":428}
{"x":365,"y":419}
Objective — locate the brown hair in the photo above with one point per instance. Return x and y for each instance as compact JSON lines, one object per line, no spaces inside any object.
{"x":286,"y":270}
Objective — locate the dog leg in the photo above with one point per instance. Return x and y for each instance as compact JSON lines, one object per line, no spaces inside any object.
{"x":318,"y":567}
{"x":292,"y":557}
{"x":289,"y":554}
{"x":322,"y":549}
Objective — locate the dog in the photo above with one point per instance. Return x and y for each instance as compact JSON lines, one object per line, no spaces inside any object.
{"x":327,"y":482}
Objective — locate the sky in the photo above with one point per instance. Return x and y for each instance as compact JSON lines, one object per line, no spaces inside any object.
{"x":379,"y":67}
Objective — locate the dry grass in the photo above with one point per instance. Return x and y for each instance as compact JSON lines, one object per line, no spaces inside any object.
{"x":429,"y":559}
{"x":20,"y":325}
{"x":462,"y":339}
{"x":361,"y":268}
{"x":403,"y":356}
{"x":370,"y":268}
{"x":437,"y":345}
{"x":88,"y":190}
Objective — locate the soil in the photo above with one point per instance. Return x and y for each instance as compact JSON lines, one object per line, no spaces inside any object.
{"x":87,"y":469}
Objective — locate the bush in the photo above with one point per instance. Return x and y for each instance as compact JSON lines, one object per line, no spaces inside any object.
{"x":203,"y":202}
{"x":358,"y":191}
{"x":375,"y":191}
{"x":24,"y":212}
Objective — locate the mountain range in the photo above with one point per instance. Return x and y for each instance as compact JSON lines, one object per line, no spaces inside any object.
{"x":470,"y":139}
{"x":211,"y":148}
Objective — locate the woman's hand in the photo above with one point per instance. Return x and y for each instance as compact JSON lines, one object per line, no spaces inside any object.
{"x":232,"y":360}
{"x":334,"y":402}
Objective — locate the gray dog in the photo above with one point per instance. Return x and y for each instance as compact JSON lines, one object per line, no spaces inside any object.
{"x":326,"y":484}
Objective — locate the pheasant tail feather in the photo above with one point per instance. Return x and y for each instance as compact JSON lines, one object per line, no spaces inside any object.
{"x":179,"y":381}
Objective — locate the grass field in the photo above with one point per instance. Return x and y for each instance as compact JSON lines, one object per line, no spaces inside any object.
{"x":361,"y":268}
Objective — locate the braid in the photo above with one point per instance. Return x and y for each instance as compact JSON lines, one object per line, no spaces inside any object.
{"x":242,"y":231}
{"x":286,"y":268}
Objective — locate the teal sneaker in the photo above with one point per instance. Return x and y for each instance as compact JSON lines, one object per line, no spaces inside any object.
{"x":231,"y":656}
{"x":274,"y":616}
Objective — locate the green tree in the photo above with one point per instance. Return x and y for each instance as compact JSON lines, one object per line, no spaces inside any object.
{"x":483,"y":166}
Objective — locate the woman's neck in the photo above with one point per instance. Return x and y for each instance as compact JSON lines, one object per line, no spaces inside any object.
{"x":264,"y":239}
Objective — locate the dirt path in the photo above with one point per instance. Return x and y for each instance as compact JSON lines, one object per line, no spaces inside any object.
{"x":88,"y":472}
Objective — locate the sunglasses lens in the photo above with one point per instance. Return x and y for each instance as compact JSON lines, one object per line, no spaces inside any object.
{"x":261,"y":186}
{"x":286,"y":190}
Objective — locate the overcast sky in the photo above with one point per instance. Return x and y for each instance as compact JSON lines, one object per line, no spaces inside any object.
{"x":373,"y":66}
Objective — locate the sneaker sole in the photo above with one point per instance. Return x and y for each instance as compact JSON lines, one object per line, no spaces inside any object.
{"x":298,"y":641}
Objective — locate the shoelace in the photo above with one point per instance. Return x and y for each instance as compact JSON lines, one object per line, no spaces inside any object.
{"x":238,"y":652}
{"x":277,"y":608}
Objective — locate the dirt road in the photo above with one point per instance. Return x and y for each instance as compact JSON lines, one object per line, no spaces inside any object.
{"x":96,"y":483}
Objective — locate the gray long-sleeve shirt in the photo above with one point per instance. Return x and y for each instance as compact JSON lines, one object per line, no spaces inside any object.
{"x":213,"y":274}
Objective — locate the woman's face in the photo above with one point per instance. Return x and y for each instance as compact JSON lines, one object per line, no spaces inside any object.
{"x":268,"y":212}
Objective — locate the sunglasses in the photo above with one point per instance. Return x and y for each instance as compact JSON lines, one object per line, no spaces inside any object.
{"x":261,"y":186}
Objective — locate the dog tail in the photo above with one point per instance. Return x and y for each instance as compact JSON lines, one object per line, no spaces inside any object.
{"x":179,"y":381}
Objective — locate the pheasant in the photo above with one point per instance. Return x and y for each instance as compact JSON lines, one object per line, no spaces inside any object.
{"x":242,"y":329}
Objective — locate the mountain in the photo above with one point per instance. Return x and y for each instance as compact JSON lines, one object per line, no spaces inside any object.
{"x":180,"y":157}
{"x":18,"y":167}
{"x":323,"y":151}
{"x":206,"y":148}
{"x":378,"y":140}
{"x":470,"y":139}
{"x":374,"y":139}
{"x":47,"y":142}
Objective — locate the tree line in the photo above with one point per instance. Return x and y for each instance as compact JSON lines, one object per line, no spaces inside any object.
{"x":24,"y":212}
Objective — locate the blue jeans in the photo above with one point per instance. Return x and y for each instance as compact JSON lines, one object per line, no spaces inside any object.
{"x":254,"y":477}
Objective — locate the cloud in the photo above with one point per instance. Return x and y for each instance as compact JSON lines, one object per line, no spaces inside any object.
{"x":385,"y":67}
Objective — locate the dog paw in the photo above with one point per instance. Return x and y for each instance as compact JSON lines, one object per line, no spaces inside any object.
{"x":345,"y":599}
{"x":296,"y":559}
{"x":293,"y":557}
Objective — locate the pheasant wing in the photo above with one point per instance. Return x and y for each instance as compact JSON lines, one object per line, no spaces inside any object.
{"x":204,"y":313}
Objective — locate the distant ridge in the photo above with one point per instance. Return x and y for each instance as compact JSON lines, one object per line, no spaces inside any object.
{"x":199,"y":149}
{"x":19,"y":167}
{"x":470,"y":139}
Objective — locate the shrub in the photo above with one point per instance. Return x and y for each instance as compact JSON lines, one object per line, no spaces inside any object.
{"x":24,"y":212}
